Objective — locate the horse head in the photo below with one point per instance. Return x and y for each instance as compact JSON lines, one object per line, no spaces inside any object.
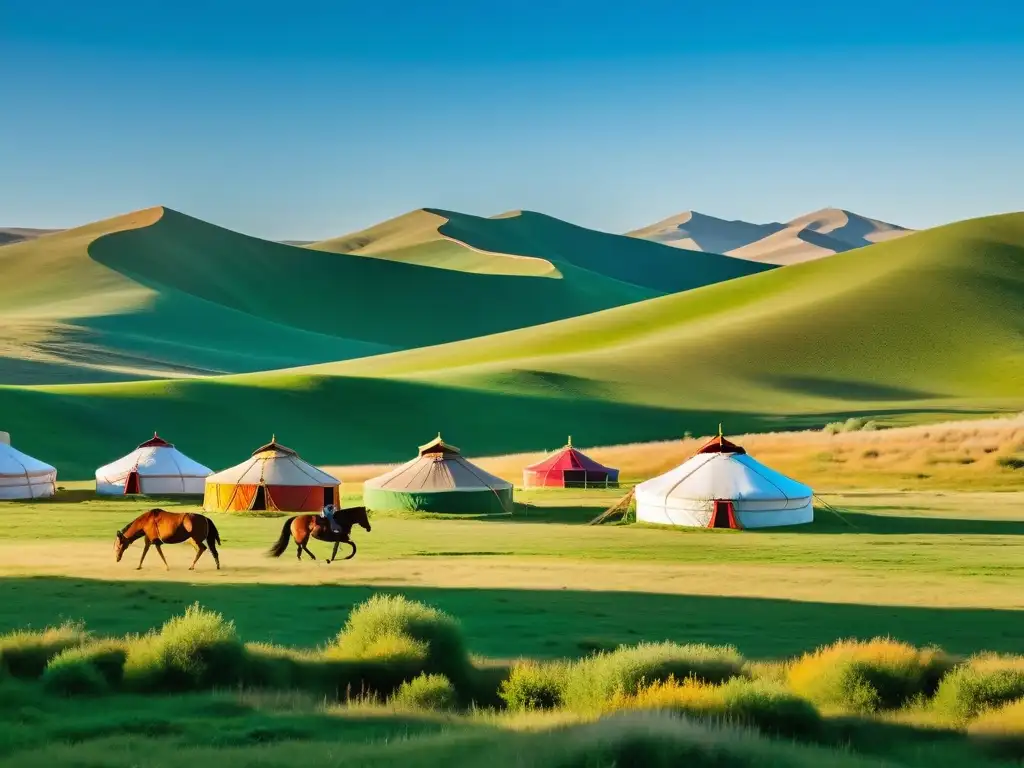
{"x":121,"y":543}
{"x":357,"y":516}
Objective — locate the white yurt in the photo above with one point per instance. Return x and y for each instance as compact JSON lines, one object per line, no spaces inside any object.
{"x":154,"y":468}
{"x":23,"y":477}
{"x":721,"y":486}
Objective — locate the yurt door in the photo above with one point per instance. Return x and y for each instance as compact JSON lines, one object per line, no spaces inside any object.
{"x":131,"y":483}
{"x":723,"y":516}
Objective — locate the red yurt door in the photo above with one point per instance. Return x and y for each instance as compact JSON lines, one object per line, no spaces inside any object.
{"x":131,"y":483}
{"x":724,"y":516}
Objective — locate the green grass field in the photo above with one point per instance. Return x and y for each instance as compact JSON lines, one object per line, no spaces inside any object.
{"x":925,"y":568}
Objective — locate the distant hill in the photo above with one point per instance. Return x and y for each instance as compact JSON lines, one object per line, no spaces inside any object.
{"x":532,"y":244}
{"x":9,"y":235}
{"x":805,"y":238}
{"x":157,"y":293}
{"x":918,"y":327}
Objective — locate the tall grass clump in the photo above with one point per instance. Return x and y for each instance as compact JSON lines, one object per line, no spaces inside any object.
{"x":431,"y":692}
{"x":858,"y":676}
{"x":89,"y":669}
{"x":1001,"y":729}
{"x":593,"y":682}
{"x":853,"y":424}
{"x":26,"y":653}
{"x":197,"y":650}
{"x":392,"y":628}
{"x":760,"y":704}
{"x":981,"y":682}
{"x":533,"y":685}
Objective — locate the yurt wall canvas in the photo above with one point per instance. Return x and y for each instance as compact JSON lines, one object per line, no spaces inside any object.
{"x":274,"y":478}
{"x":154,"y":468}
{"x":24,"y":477}
{"x":439,"y":480}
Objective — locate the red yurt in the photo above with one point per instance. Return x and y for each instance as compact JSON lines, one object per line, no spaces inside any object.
{"x":568,"y":468}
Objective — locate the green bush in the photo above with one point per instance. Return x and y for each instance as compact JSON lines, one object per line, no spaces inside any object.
{"x":1001,"y":729}
{"x":93,"y":668}
{"x":198,"y":650}
{"x":760,"y":704}
{"x":1010,"y":462}
{"x":393,"y":629}
{"x":984,"y":681}
{"x":853,"y":424}
{"x":25,"y":653}
{"x":593,"y":682}
{"x":534,"y":685}
{"x":430,"y":692}
{"x":858,"y":676}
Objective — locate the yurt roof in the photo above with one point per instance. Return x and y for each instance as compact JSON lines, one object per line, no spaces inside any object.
{"x":155,"y":442}
{"x":439,"y":467}
{"x":14,"y":463}
{"x":274,"y":464}
{"x":568,"y":458}
{"x":728,"y":475}
{"x":154,"y":458}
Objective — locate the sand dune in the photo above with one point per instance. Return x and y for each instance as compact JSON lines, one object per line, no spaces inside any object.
{"x":805,"y":238}
{"x":10,"y":235}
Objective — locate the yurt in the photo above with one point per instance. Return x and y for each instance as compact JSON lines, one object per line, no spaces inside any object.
{"x":439,"y":479}
{"x":569,"y":468}
{"x":23,"y":477}
{"x":154,"y":468}
{"x":721,"y":486}
{"x":273,"y":478}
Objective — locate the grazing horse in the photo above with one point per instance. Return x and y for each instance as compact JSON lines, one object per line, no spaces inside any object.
{"x":302,"y":527}
{"x":157,"y":526}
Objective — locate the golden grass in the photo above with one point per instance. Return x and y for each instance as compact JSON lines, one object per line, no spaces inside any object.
{"x":955,"y":454}
{"x":1001,"y":728}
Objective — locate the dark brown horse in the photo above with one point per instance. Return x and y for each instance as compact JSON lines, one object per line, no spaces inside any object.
{"x":157,"y":526}
{"x":303,"y":527}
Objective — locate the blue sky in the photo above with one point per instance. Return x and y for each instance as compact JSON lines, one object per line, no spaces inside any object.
{"x":308,"y":120}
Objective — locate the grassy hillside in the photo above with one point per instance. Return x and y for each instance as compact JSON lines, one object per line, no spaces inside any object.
{"x":527,"y":243}
{"x":920,"y":327}
{"x":157,"y":293}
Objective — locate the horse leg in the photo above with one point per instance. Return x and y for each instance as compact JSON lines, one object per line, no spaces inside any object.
{"x":160,"y":551}
{"x":200,"y":548}
{"x":145,"y":549}
{"x":298,"y":551}
{"x":334,"y":554}
{"x":306,"y":549}
{"x":213,"y":551}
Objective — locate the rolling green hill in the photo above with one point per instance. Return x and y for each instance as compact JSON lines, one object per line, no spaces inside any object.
{"x":527,"y":243}
{"x":157,"y":293}
{"x":926,"y":325}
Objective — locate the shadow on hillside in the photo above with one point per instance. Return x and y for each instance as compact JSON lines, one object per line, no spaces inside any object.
{"x":864,"y":523}
{"x":507,"y":623}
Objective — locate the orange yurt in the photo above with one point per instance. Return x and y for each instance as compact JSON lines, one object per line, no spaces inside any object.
{"x":274,"y":478}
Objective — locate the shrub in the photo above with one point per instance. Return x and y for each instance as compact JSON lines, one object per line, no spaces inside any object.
{"x":853,"y":424}
{"x":533,"y":685}
{"x":197,"y":650}
{"x":868,"y":676}
{"x":1010,"y":462}
{"x":592,"y":682}
{"x":92,"y":668}
{"x":26,"y":653}
{"x":431,"y":692}
{"x":1001,"y":729}
{"x":393,"y":629}
{"x":984,"y":681}
{"x":760,"y":704}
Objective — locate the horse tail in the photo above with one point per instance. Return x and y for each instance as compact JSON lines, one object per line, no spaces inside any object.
{"x":214,"y":534}
{"x":282,"y":543}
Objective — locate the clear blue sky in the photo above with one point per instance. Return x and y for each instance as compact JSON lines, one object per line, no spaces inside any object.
{"x":307,"y":120}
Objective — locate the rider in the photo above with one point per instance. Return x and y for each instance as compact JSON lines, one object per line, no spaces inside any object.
{"x":328,"y":514}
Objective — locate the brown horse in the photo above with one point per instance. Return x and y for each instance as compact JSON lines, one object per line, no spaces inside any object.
{"x":157,"y":526}
{"x":303,"y":527}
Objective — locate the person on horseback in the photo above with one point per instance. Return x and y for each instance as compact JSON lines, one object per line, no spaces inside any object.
{"x":328,"y":514}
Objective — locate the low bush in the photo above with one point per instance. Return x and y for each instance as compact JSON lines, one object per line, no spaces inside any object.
{"x":760,"y":704}
{"x":1010,"y":462}
{"x":592,"y":682}
{"x":857,"y":676}
{"x":853,"y":424}
{"x":198,"y":650}
{"x":1001,"y":729}
{"x":26,"y":653}
{"x":984,"y":681}
{"x":430,"y":692}
{"x":395,"y":630}
{"x":93,"y":668}
{"x":534,"y":685}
